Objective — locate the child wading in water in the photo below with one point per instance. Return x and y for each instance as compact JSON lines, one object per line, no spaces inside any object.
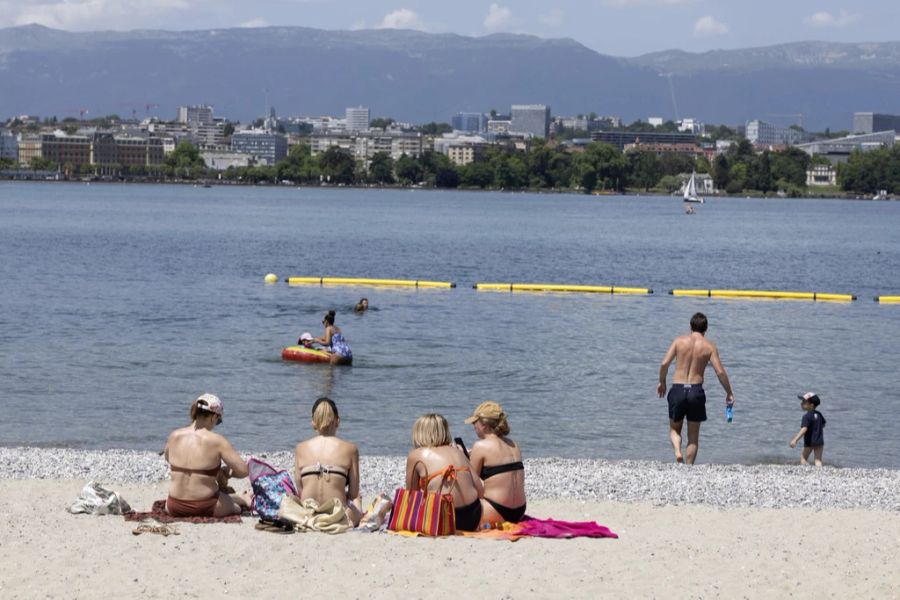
{"x":812,"y":429}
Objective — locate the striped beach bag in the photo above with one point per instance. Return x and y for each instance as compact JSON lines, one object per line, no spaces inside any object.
{"x":423,"y":512}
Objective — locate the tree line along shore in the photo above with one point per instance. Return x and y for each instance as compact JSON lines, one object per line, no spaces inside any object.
{"x":597,"y":168}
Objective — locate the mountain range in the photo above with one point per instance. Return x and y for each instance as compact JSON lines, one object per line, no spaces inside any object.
{"x":419,"y":77}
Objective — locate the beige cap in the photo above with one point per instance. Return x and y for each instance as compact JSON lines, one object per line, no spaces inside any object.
{"x":211,"y":403}
{"x":486,"y":410}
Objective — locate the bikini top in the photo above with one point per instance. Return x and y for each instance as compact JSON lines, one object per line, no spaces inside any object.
{"x":448,"y":473}
{"x":213,"y":472}
{"x":319,"y":469}
{"x":487,"y":472}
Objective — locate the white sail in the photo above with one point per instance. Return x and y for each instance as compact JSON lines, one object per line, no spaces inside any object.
{"x":690,"y":191}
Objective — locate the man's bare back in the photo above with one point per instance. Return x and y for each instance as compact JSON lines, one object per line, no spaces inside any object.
{"x":691,"y":353}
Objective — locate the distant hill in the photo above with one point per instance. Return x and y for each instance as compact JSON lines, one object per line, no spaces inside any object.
{"x":420,"y":77}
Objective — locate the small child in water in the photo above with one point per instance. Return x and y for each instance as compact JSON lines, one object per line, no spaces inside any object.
{"x":306,"y":339}
{"x":812,"y":429}
{"x":362,"y":305}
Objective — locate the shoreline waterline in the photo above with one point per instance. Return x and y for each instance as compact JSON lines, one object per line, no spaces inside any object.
{"x":629,"y":481}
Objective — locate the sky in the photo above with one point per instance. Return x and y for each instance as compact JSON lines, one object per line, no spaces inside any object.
{"x":615,"y":27}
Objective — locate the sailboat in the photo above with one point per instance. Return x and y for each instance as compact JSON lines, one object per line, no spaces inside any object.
{"x":690,"y":191}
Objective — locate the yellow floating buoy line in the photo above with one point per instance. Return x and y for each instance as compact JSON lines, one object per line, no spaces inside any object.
{"x":887,"y":299}
{"x":416,"y":283}
{"x":558,"y":287}
{"x":774,"y":294}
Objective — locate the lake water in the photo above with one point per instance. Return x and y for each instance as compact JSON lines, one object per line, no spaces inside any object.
{"x":119,"y":304}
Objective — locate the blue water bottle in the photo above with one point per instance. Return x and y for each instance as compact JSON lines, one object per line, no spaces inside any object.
{"x":729,"y":413}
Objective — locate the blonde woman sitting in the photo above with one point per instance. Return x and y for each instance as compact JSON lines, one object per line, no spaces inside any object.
{"x":497,"y":460}
{"x":194,"y":454}
{"x":326,"y":466}
{"x":433,"y":458}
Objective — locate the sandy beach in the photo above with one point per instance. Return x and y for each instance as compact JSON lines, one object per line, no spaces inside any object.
{"x":671,"y":549}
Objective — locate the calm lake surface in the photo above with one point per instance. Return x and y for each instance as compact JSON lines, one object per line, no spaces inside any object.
{"x":119,"y":304}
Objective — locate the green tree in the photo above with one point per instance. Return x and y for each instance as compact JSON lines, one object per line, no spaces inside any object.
{"x":720,"y":172}
{"x":446,"y":177}
{"x":408,"y":170}
{"x":228,"y":129}
{"x":645,"y":169}
{"x":434,"y":128}
{"x":670,"y":183}
{"x":381,"y":123}
{"x":381,"y":168}
{"x":791,"y":166}
{"x":737,"y":178}
{"x":476,"y":174}
{"x":337,"y":165}
{"x":185,"y":162}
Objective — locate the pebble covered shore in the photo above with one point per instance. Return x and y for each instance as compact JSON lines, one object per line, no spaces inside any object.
{"x":764,"y":486}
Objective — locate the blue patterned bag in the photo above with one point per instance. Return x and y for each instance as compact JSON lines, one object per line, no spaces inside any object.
{"x":270,"y":486}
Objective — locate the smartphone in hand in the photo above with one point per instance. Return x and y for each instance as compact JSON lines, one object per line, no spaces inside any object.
{"x":459,"y":443}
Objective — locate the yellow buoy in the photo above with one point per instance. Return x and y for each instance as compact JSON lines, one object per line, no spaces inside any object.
{"x":780,"y":295}
{"x":271,"y":278}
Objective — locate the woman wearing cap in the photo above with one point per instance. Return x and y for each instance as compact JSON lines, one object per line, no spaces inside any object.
{"x":334,"y":342}
{"x":433,"y":459}
{"x":194,"y":454}
{"x":326,"y":466}
{"x":497,"y":460}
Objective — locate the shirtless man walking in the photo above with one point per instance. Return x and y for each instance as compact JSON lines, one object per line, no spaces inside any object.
{"x":691,"y":354}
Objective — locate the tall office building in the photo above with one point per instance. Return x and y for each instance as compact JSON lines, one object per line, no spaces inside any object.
{"x":760,"y":132}
{"x":531,"y":119}
{"x":357,"y":119}
{"x":267,"y":147}
{"x":201,"y":115}
{"x":867,"y":122}
{"x":469,"y":121}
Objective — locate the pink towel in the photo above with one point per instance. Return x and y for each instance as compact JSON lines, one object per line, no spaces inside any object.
{"x":551,"y":528}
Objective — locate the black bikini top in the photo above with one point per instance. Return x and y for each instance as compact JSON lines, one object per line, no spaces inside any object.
{"x":487,"y":472}
{"x":320,"y":470}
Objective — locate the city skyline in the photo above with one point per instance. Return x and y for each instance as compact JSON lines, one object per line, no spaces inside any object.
{"x":641,"y":26}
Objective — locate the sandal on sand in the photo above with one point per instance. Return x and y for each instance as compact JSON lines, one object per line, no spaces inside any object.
{"x":275,"y":526}
{"x":163,"y":530}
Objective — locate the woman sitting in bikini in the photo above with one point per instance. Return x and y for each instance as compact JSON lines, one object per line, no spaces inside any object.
{"x":326,"y":466}
{"x":334,"y":342}
{"x":433,"y":458}
{"x":194,"y":454}
{"x":498,"y":461}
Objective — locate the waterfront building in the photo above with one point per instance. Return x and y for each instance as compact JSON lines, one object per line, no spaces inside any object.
{"x":818,"y":175}
{"x":530,"y":119}
{"x":620,"y":139}
{"x":655,"y":121}
{"x":869,"y":122}
{"x":200,"y":114}
{"x":694,"y":126}
{"x":469,"y":122}
{"x":839,"y":149}
{"x":364,"y":145}
{"x":461,"y":149}
{"x":498,"y":126}
{"x":659,"y":148}
{"x":268,"y":147}
{"x":29,"y":148}
{"x":220,"y":160}
{"x":765,"y":134}
{"x":357,"y":119}
{"x":61,"y":148}
{"x":212,"y":134}
{"x":9,"y":146}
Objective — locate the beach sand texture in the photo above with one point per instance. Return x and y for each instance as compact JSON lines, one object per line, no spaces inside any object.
{"x":674,"y":551}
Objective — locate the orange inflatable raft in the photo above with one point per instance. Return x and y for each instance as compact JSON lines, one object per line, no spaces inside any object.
{"x":304,"y":354}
